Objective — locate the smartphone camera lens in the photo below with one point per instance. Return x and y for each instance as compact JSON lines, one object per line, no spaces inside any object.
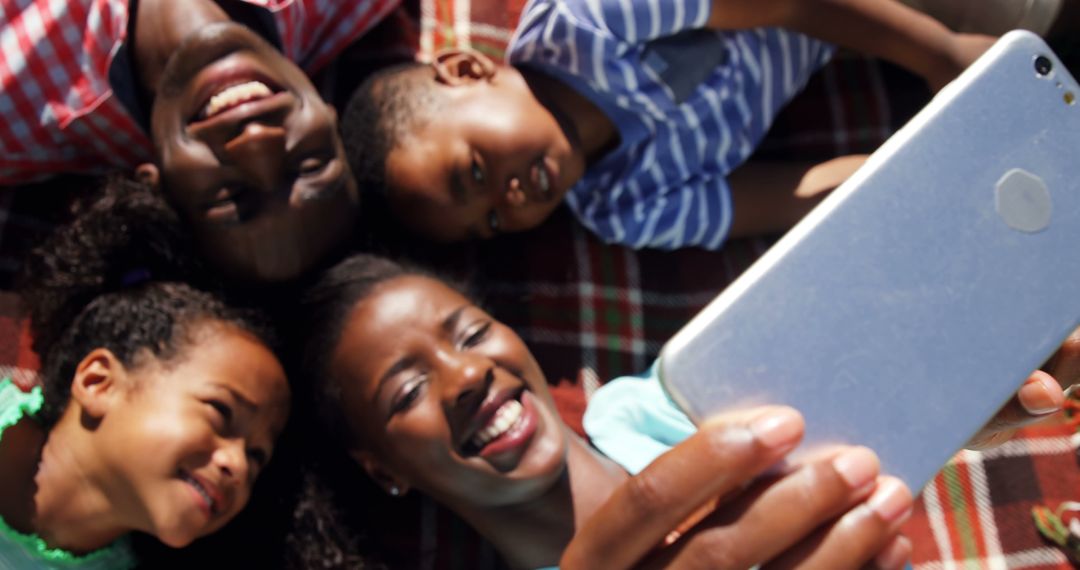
{"x":1043,"y":65}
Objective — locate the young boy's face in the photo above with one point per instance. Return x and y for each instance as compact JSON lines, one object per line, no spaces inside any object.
{"x":493,"y":159}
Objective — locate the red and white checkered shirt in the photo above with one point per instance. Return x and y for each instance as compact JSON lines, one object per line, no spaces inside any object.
{"x":58,"y":112}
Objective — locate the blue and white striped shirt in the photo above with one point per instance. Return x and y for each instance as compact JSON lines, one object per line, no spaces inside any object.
{"x":690,"y":106}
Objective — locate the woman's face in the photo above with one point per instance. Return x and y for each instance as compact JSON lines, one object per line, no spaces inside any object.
{"x":440,"y":396}
{"x":188,"y":437}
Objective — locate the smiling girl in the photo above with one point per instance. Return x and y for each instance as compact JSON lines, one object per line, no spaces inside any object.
{"x":424,"y":390}
{"x":158,"y":408}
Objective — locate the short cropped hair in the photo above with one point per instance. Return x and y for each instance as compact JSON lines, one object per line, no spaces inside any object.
{"x":382,"y":115}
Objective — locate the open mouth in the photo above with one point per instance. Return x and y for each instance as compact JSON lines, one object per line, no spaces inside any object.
{"x":541,"y":179}
{"x":233,"y":96}
{"x":505,"y":418}
{"x":212,"y":505}
{"x":506,"y":424}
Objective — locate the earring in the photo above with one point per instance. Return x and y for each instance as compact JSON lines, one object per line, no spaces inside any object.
{"x":395,"y":491}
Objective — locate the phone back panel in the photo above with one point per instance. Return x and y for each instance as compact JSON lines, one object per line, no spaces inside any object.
{"x":913,"y":302}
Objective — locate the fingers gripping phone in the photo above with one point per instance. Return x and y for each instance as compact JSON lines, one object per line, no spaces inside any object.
{"x":905,"y":309}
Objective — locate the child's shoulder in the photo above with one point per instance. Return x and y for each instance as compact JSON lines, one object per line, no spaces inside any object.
{"x":16,"y":403}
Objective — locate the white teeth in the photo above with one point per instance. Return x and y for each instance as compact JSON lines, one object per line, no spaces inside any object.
{"x":542,"y":179}
{"x":201,"y":490}
{"x":235,"y":95}
{"x":505,"y":417}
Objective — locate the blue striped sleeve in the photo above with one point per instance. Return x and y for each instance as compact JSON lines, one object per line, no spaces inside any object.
{"x":636,"y":21}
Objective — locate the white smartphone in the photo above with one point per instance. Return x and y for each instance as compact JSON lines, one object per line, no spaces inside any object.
{"x":908,"y":307}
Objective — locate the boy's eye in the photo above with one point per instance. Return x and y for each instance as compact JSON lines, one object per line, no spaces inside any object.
{"x":476,"y":335}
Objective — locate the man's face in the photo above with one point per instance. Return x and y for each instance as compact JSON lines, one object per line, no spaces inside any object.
{"x":492,"y":160}
{"x":250,"y":156}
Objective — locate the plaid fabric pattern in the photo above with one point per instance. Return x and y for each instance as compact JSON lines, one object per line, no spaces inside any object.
{"x":58,"y":112}
{"x":591,"y":312}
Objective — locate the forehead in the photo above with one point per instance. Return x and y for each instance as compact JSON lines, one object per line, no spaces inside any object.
{"x":226,"y":358}
{"x":407,"y":302}
{"x":402,"y":311}
{"x":420,"y":174}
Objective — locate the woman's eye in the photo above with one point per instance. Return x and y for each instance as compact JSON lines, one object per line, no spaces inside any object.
{"x":477,"y":172}
{"x":476,"y":335}
{"x":408,"y":395}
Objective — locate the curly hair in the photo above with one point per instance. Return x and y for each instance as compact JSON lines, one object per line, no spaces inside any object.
{"x":381,"y":115}
{"x":120,"y":276}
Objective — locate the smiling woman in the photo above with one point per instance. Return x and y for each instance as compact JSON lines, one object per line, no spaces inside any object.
{"x":160,"y":405}
{"x":422,"y":389}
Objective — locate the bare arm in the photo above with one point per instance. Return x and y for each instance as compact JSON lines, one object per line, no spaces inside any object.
{"x":879,"y":28}
{"x":770,"y":196}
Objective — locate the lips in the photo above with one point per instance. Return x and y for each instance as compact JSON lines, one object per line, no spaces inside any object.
{"x":542,"y":178}
{"x":503,"y":425}
{"x":211,"y":502}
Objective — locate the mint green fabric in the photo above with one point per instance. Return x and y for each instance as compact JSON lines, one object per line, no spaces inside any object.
{"x":18,"y":550}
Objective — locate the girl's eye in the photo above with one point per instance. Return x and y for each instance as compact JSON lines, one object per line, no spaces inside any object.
{"x":408,"y":395}
{"x":477,"y":335}
{"x":222,"y":410}
{"x":259,"y":458}
{"x":493,"y":221}
{"x":477,"y":172}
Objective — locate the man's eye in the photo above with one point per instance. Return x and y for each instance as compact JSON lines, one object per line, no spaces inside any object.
{"x":312,"y":166}
{"x":493,"y":221}
{"x":477,"y":172}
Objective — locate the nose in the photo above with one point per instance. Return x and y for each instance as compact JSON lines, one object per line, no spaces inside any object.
{"x":231,"y":459}
{"x":465,"y":377}
{"x":259,"y":153}
{"x":514,"y":193}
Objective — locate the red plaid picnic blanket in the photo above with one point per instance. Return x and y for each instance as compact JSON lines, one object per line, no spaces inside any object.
{"x":591,"y":312}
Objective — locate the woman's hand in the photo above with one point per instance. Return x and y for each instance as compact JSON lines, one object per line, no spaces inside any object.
{"x":1041,"y":396}
{"x":833,"y":512}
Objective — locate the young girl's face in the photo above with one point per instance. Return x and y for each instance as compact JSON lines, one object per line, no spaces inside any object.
{"x":187,"y":438}
{"x":440,"y":396}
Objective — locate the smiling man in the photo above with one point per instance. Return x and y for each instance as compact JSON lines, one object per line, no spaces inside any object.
{"x":210,"y":100}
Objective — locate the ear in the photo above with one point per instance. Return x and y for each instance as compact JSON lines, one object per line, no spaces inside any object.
{"x":383,"y":477}
{"x":148,"y":174}
{"x":459,"y":66}
{"x":97,"y":382}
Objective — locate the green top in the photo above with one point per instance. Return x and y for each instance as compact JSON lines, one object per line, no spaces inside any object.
{"x":19,"y":550}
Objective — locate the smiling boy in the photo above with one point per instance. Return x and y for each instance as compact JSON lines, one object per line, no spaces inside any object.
{"x":209,"y":97}
{"x":636,"y":114}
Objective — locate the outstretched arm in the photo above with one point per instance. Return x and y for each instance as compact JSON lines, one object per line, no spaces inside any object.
{"x":880,"y":28}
